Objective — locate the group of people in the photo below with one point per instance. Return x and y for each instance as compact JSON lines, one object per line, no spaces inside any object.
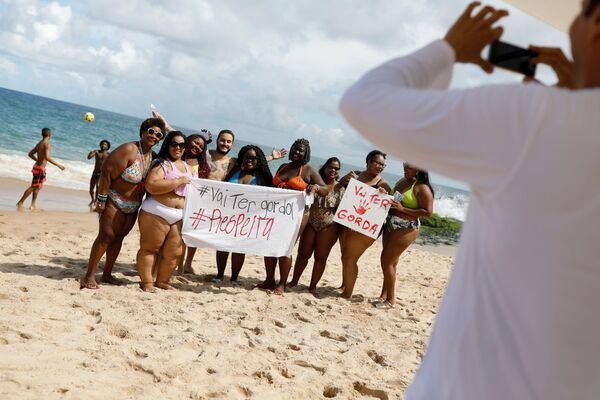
{"x":134,"y":183}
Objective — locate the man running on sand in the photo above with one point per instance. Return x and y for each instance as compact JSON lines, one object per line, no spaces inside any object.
{"x":100,"y":155}
{"x":41,"y":155}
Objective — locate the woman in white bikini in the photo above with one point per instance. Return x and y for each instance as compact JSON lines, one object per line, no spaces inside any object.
{"x":161,"y":215}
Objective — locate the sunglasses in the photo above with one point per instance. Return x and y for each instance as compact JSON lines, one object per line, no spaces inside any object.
{"x":334,"y":168}
{"x":250,"y":158}
{"x":176,"y":145}
{"x":157,"y":134}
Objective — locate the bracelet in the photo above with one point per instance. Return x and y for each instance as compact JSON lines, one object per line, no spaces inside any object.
{"x":101,"y":198}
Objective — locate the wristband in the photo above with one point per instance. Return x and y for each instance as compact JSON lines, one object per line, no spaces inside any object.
{"x":101,"y":198}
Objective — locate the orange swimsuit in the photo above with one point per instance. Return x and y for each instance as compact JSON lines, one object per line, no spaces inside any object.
{"x":295,"y":183}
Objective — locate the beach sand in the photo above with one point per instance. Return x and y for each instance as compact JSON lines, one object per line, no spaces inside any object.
{"x":204,"y":341}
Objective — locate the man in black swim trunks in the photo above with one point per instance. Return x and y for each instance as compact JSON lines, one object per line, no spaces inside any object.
{"x":100,"y":155}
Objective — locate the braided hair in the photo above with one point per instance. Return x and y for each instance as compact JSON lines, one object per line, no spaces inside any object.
{"x":262,"y":166}
{"x":306,"y":144}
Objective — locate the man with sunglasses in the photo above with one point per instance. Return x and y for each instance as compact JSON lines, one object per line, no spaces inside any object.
{"x":518,"y":319}
{"x":120,"y":193}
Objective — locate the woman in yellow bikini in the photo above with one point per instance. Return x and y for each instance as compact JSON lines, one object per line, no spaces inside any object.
{"x":413,"y":199}
{"x":120,"y":192}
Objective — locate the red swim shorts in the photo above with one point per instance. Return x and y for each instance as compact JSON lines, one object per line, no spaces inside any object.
{"x":39,"y":176}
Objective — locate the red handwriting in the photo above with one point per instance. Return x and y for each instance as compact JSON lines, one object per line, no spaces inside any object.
{"x":359,"y":222}
{"x":237,"y":225}
{"x":377,"y":199}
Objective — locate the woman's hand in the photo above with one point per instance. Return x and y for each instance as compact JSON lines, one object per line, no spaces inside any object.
{"x":277,"y":154}
{"x":382,"y":190}
{"x":184,"y":180}
{"x":99,"y":206}
{"x":396,"y":205}
{"x":346,"y":178}
{"x":312,"y":189}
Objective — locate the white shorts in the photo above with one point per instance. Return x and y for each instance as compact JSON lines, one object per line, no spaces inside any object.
{"x":169,"y":214}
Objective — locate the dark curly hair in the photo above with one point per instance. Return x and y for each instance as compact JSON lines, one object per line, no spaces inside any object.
{"x":322,"y":169}
{"x":262,"y":166}
{"x":203,"y":167}
{"x":105,"y":141}
{"x":150,"y":122}
{"x":163,"y":153}
{"x":305,"y":143}
{"x":374,"y":153}
{"x":591,"y":7}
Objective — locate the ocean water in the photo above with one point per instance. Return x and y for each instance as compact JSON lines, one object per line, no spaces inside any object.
{"x":22,"y":117}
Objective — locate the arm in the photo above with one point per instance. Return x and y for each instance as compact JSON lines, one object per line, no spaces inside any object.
{"x":33,"y":153}
{"x":157,"y":184}
{"x":158,"y":115}
{"x":91,"y":154}
{"x":276,"y":154}
{"x":474,"y":135}
{"x":425,"y":201}
{"x":344,"y":180}
{"x":50,"y":160}
{"x":316,"y":183}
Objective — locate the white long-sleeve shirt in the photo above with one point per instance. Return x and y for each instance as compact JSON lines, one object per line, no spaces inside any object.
{"x":520,"y":317}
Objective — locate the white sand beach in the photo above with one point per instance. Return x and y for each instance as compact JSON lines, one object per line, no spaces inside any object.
{"x":203,"y":341}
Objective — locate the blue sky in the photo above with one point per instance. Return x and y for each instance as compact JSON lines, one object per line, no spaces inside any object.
{"x":270,"y":70}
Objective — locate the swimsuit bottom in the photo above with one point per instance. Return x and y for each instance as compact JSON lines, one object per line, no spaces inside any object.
{"x":169,"y":214}
{"x":394,"y":222}
{"x":96,"y":174}
{"x":39,"y":176}
{"x":320,"y":218}
{"x":124,"y":205}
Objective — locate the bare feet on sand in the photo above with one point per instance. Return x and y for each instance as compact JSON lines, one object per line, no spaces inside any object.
{"x":89,"y":283}
{"x":148,"y":287}
{"x":165,"y":286}
{"x":266,"y":285}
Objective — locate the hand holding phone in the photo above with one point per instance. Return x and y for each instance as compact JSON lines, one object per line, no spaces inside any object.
{"x":513,"y":58}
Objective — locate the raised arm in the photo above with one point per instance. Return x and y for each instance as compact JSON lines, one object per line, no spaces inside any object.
{"x":91,"y":154}
{"x":316,"y":183}
{"x":404,"y":107}
{"x":158,"y":115}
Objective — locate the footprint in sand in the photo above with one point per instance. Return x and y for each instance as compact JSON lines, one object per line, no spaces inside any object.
{"x":285,"y":373}
{"x":331,"y":392}
{"x":362,"y":388}
{"x":302,"y":363}
{"x":302,"y":318}
{"x":263,"y":375}
{"x":329,"y":335}
{"x":293,"y":347}
{"x":379,"y":359}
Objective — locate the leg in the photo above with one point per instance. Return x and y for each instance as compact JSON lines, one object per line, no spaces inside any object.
{"x":180,"y":259}
{"x":355,"y":244}
{"x":93,"y":183}
{"x":269,"y":282}
{"x":187,"y":267}
{"x":397,"y":241}
{"x":26,"y":194}
{"x":222,"y":257}
{"x":126,"y":222}
{"x":342,"y":237}
{"x":285,"y":264}
{"x":153,"y":231}
{"x":237,"y":262}
{"x":106,"y":235}
{"x":325,"y":241}
{"x":34,"y":197}
{"x":172,"y":248}
{"x":305,"y":250}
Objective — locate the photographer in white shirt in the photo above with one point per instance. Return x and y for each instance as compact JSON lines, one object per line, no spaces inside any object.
{"x":518,"y":319}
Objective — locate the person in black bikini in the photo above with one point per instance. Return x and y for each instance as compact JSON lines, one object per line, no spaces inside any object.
{"x":354,"y":244}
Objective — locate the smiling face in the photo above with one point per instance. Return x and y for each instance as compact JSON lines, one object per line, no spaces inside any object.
{"x":376,"y":164}
{"x":152,"y":136}
{"x":249,"y":160}
{"x":332,"y":170}
{"x":298,"y":152}
{"x":224,"y":143}
{"x":197,"y":147}
{"x":176,"y":147}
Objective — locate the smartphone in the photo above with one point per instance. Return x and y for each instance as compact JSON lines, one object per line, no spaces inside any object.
{"x":512,"y":58}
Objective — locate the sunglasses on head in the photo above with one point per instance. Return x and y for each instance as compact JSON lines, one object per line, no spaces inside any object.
{"x":250,"y":158}
{"x":176,"y":145}
{"x":157,"y":134}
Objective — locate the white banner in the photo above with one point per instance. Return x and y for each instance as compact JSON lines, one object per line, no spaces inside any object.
{"x":242,"y":218}
{"x":363,"y":209}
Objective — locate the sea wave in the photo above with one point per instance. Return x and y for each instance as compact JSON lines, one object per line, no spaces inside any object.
{"x":76,"y":174}
{"x":453,"y":206}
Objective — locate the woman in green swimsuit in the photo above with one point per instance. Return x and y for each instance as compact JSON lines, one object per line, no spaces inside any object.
{"x":413,"y":199}
{"x":120,"y":193}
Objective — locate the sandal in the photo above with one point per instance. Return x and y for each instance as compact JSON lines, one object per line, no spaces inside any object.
{"x":386,"y":305}
{"x":375,"y":300}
